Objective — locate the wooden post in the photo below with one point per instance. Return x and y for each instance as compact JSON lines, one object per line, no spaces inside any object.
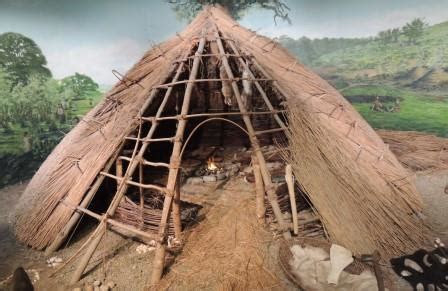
{"x":292,"y":197}
{"x":123,"y":184}
{"x":272,"y":196}
{"x":140,"y":189}
{"x":174,"y":166}
{"x":259,"y":189}
{"x":176,"y":212}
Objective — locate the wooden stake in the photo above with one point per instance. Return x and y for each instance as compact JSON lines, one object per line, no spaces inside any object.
{"x":174,"y":167}
{"x":140,"y":189}
{"x":292,"y":197}
{"x":176,"y":212}
{"x":259,"y":189}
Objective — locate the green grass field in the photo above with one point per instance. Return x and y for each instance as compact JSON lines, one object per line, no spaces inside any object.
{"x":418,"y":112}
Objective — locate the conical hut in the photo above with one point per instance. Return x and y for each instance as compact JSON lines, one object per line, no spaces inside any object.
{"x":168,"y":103}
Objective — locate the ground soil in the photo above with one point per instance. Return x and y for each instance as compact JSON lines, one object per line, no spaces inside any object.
{"x":226,"y":250}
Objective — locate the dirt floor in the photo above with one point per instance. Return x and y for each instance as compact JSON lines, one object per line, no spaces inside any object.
{"x":226,"y":250}
{"x":245,"y":254}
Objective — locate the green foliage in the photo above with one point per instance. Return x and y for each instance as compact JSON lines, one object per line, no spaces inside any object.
{"x":21,"y":58}
{"x":309,"y":50}
{"x":41,"y":111}
{"x":388,"y":36}
{"x":414,"y":30}
{"x":367,"y":58}
{"x":187,"y":9}
{"x":81,"y":85}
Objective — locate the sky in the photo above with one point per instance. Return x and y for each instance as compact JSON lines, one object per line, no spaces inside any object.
{"x":94,"y":37}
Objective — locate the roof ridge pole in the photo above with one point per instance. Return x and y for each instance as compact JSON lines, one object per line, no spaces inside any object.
{"x":257,"y":84}
{"x":129,"y":172}
{"x":159,"y":257}
{"x":272,"y":196}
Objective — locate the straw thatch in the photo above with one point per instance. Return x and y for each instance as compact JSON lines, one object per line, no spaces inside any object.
{"x":70,"y":169}
{"x":417,"y":151}
{"x":365,"y":199}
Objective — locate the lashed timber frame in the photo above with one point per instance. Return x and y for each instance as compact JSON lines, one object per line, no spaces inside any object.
{"x":171,"y":205}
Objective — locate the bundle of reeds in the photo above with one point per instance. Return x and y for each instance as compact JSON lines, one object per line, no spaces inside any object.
{"x":417,"y":151}
{"x":364,"y":204}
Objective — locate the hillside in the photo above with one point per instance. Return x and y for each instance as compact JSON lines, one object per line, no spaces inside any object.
{"x":396,"y":59}
{"x":391,"y":68}
{"x":423,"y":64}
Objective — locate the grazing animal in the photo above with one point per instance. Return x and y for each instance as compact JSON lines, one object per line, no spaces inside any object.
{"x":226,"y":89}
{"x":247,"y":90}
{"x":21,"y":281}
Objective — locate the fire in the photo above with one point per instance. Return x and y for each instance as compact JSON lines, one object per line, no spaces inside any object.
{"x":211,"y":166}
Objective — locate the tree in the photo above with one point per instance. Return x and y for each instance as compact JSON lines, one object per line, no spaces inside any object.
{"x":385,"y":37}
{"x":414,"y":30}
{"x":81,"y":85}
{"x":187,"y":9}
{"x":20,"y":57}
{"x":395,"y":34}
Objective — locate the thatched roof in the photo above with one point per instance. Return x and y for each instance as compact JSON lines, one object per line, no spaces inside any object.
{"x":73,"y":165}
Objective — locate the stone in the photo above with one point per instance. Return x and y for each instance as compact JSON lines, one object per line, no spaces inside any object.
{"x":89,"y":287}
{"x":77,"y":289}
{"x":209,"y":178}
{"x":96,"y":283}
{"x":194,"y":180}
{"x":104,"y":288}
{"x":111,"y":284}
{"x":221,"y":176}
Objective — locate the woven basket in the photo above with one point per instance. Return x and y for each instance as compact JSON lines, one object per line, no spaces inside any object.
{"x":285,"y":256}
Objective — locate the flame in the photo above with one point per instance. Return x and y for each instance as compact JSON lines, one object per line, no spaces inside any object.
{"x":211,"y":166}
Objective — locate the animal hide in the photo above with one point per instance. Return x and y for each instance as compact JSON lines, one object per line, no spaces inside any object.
{"x":423,"y":270}
{"x":311,"y":266}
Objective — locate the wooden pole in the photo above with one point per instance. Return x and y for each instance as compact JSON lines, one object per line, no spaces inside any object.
{"x":112,"y":222}
{"x":259,"y":189}
{"x":62,"y":235}
{"x":119,"y":170}
{"x":176,"y":212}
{"x":257,"y":84}
{"x":292,"y":197}
{"x":124,"y":183}
{"x":140,"y":189}
{"x":197,"y":115}
{"x":272,"y":196}
{"x":174,"y":167}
